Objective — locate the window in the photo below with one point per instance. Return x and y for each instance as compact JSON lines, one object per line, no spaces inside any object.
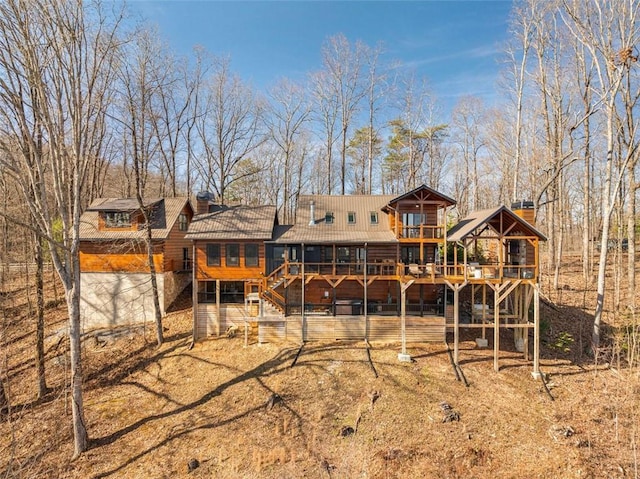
{"x":328,"y":254}
{"x":183,"y":222}
{"x":251,"y":254}
{"x":232,"y":251}
{"x":231,"y":291}
{"x":186,"y":261}
{"x":351,"y":217}
{"x":117,"y":219}
{"x":373,"y":217}
{"x":343,"y":255}
{"x":328,"y":217}
{"x":213,"y":254}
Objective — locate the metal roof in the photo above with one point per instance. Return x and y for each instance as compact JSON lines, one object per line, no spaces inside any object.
{"x":470,"y":225}
{"x":431,"y":193}
{"x":234,"y":223}
{"x":120,"y":204}
{"x":340,"y":230}
{"x":165,"y":214}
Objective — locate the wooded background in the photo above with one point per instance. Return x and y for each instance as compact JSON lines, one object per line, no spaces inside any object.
{"x":93,"y":105}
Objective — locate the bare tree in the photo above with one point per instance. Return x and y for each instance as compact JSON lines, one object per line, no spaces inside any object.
{"x":343,"y":64}
{"x":288,"y":113}
{"x":522,"y":26}
{"x":467,"y":135}
{"x":599,"y":27}
{"x":56,"y":63}
{"x":144,"y":80}
{"x":364,"y":147}
{"x":228,"y":129}
{"x":325,"y":112}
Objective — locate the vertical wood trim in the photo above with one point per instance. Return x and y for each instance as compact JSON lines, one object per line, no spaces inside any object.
{"x":496,"y":328}
{"x":456,"y":323}
{"x":536,"y":331}
{"x":403,"y":319}
{"x":217,"y":307}
{"x":194,"y":292}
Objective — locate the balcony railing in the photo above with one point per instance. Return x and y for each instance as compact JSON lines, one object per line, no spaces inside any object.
{"x":422,"y":231}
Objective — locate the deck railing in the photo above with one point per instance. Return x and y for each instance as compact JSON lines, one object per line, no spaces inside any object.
{"x":356,"y":308}
{"x":422,"y":231}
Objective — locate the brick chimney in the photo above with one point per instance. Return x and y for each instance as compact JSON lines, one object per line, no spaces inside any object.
{"x":524,"y":209}
{"x":203,"y":199}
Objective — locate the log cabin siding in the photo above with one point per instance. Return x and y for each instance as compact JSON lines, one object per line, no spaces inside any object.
{"x":240,"y":272}
{"x":121,"y":256}
{"x":176,"y":243}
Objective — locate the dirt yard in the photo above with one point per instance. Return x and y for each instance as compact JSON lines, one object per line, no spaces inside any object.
{"x":227,"y":411}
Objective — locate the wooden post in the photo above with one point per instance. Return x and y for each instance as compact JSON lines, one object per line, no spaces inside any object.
{"x":456,"y":315}
{"x":484,"y":310}
{"x":456,"y":324}
{"x":217,"y":307}
{"x":496,"y":328}
{"x":403,"y":356}
{"x":366,"y":306}
{"x":536,"y":332}
{"x":194,"y":292}
{"x":302,"y":308}
{"x":403,"y":310}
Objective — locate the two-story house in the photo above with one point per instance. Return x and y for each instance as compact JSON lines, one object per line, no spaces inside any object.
{"x":115,"y":273}
{"x":371,"y":267}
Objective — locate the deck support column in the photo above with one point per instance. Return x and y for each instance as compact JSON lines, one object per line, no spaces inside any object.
{"x":456,"y":325}
{"x":536,"y":332}
{"x":456,"y":316}
{"x":217,"y":307}
{"x":403,"y":356}
{"x":496,"y":328}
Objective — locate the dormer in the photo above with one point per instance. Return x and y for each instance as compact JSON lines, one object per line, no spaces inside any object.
{"x":419,"y":214}
{"x":123,"y":214}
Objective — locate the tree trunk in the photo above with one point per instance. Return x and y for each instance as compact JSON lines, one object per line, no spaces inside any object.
{"x":40,"y":355}
{"x":80,"y":436}
{"x":631,"y":239}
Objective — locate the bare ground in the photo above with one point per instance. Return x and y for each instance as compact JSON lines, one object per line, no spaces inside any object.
{"x":246,"y":412}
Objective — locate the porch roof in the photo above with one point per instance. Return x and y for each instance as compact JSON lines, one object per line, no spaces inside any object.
{"x":497,"y":218}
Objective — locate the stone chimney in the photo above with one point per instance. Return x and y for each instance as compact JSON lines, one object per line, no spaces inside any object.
{"x":524,"y":209}
{"x":312,"y":212}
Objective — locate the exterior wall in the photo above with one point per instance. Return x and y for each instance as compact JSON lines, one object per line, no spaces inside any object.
{"x":125,"y":257}
{"x":229,"y":273}
{"x":174,"y":245}
{"x":208,"y":323}
{"x":376,"y":328}
{"x":117,"y":299}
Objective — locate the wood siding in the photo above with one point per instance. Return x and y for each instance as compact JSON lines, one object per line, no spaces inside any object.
{"x":229,"y":273}
{"x":352,"y":328}
{"x":175,"y":243}
{"x":111,"y":257}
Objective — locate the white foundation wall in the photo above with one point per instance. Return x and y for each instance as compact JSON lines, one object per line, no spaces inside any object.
{"x":117,"y":299}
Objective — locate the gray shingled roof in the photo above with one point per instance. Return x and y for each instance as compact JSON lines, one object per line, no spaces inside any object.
{"x":340,"y":231}
{"x":468,"y":225}
{"x":165,"y":216}
{"x":234,"y":223}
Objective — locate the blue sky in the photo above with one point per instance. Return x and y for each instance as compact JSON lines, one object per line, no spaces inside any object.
{"x":456,"y":45}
